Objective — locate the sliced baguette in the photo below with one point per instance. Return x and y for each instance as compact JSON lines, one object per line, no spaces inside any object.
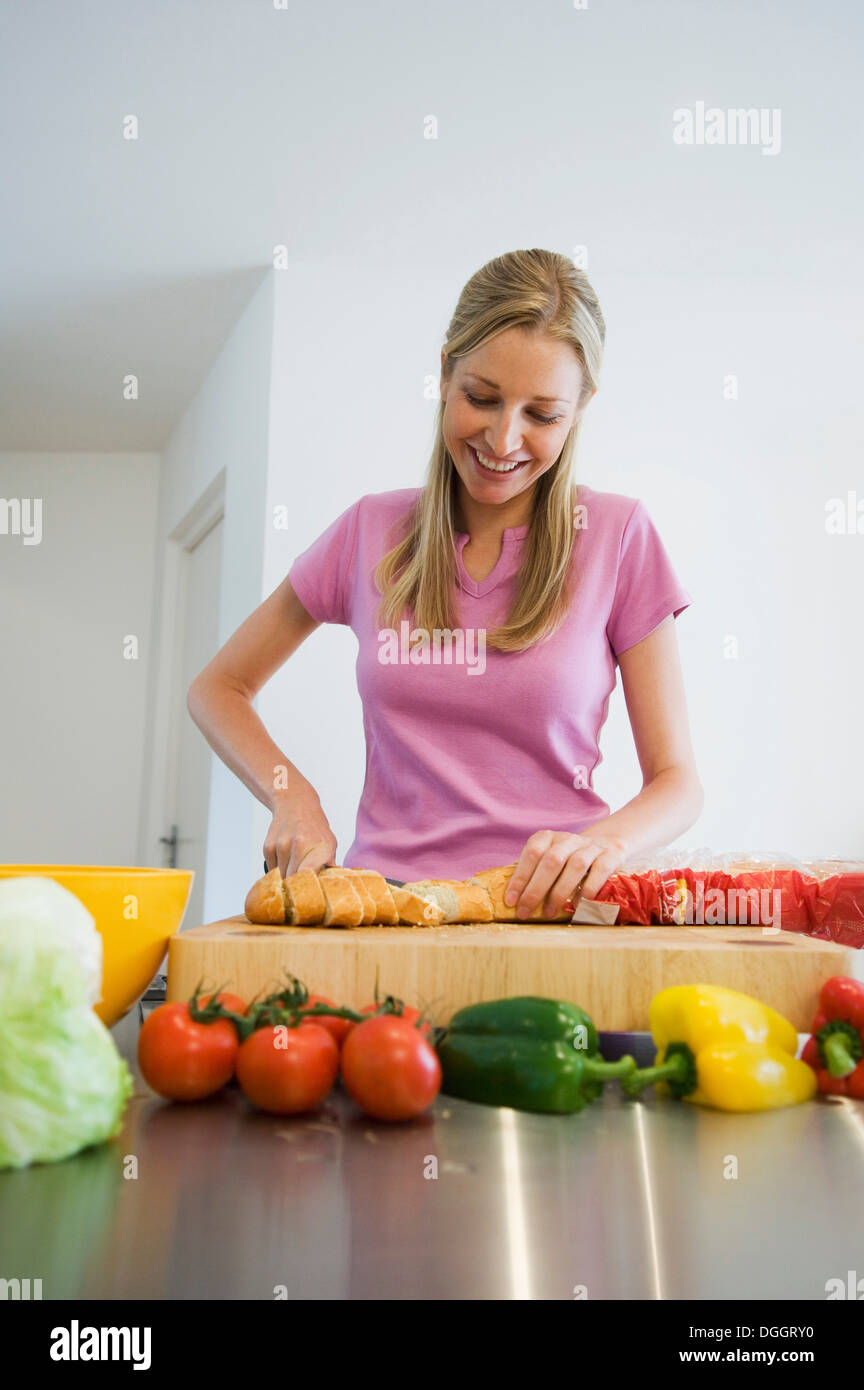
{"x":344,"y":907}
{"x":496,"y":881}
{"x":459,"y":901}
{"x":304,"y":899}
{"x":265,"y":901}
{"x":385,"y":913}
{"x":415,"y":911}
{"x":363,"y":888}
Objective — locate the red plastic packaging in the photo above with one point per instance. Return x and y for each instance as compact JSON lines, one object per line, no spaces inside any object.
{"x":696,"y":887}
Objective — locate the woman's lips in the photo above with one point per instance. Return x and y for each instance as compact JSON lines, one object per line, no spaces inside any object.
{"x":493,"y":472}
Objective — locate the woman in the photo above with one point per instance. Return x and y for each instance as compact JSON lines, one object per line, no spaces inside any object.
{"x":490,"y":608}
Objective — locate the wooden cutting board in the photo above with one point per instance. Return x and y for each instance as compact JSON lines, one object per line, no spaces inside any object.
{"x":613,"y":972}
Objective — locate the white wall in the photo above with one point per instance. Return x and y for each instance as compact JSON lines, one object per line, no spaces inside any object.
{"x":739,"y":490}
{"x":224,"y":430}
{"x":72,"y":705}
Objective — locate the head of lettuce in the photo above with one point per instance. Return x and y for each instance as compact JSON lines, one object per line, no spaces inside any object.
{"x":63,"y":1084}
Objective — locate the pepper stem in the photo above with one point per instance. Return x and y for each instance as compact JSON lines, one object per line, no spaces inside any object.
{"x":678,"y":1071}
{"x":838,"y":1058}
{"x":595,"y":1069}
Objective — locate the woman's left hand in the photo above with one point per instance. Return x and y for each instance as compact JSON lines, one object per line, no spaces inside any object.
{"x":554,"y":862}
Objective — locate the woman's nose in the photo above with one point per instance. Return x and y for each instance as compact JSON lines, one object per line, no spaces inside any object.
{"x":505,"y":439}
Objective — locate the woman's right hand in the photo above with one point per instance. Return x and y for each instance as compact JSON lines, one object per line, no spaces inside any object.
{"x":299,"y":836}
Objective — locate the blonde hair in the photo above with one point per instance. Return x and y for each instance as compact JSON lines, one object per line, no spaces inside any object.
{"x":535,"y":290}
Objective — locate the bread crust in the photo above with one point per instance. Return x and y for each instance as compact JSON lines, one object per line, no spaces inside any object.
{"x":385,"y":913}
{"x":496,"y":881}
{"x":304,"y":899}
{"x":415,"y":911}
{"x":363,"y":888}
{"x":265,"y":901}
{"x":459,"y":901}
{"x":344,"y":907}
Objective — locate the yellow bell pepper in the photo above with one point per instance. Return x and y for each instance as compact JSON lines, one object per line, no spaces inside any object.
{"x":720,"y":1048}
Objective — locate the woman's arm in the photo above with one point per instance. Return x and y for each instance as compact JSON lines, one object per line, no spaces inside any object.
{"x":670,"y":801}
{"x":220,"y":702}
{"x":672,"y":797}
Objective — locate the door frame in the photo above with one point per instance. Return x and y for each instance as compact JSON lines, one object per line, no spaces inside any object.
{"x":205,"y":513}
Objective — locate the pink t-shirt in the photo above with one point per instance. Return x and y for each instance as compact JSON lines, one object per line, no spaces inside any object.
{"x":466,"y":758}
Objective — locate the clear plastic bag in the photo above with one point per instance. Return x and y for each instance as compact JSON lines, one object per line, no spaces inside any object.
{"x":822,"y":898}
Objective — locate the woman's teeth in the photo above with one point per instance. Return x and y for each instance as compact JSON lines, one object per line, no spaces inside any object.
{"x":497,"y":467}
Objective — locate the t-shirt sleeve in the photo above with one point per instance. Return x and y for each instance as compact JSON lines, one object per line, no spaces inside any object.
{"x":322,"y":576}
{"x":647,"y":589}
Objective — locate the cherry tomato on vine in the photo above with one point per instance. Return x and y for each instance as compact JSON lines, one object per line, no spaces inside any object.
{"x":338,"y":1028}
{"x":184,"y":1060}
{"x":286,"y":1071}
{"x":389,"y":1069}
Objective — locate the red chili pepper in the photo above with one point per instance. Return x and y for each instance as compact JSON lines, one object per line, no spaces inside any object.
{"x":836,"y":1049}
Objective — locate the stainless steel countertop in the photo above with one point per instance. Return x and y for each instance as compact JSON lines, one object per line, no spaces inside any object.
{"x":628,"y":1199}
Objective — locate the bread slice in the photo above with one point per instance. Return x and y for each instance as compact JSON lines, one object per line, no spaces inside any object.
{"x":265,"y":901}
{"x":304,"y":899}
{"x":415,"y":911}
{"x":363,"y":888}
{"x":344,"y":907}
{"x":459,"y":901}
{"x":496,"y":881}
{"x":385,"y":913}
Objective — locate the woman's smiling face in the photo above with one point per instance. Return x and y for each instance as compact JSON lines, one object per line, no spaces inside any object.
{"x":512,"y":401}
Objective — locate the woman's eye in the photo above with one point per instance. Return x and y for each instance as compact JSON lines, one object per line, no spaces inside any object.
{"x":482,"y":401}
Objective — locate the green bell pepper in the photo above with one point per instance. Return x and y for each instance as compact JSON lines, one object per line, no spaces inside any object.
{"x":526,"y":1053}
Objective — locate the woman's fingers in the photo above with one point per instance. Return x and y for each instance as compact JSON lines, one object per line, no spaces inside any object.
{"x":529,"y":859}
{"x":291,"y":855}
{"x":309,"y":851}
{"x":299,"y":837}
{"x":550,"y":868}
{"x":605,"y":864}
{"x":566,"y":889}
{"x":315,"y":857}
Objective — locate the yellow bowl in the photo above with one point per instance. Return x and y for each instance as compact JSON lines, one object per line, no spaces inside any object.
{"x":136,"y":912}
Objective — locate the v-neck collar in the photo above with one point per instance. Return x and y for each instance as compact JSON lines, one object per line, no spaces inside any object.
{"x":504,"y":566}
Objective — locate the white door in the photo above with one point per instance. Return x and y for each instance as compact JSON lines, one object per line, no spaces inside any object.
{"x":198,"y":626}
